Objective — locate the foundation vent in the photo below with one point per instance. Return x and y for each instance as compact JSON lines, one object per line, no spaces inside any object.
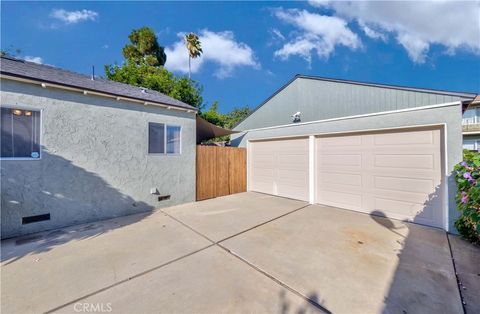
{"x":31,"y":219}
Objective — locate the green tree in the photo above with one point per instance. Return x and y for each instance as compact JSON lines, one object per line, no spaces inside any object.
{"x":213,"y":116}
{"x":235,"y":116}
{"x":194,"y":48}
{"x":143,"y":67}
{"x":144,"y":47}
{"x":227,"y":121}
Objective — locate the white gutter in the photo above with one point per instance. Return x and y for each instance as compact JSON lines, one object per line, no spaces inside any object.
{"x":89,"y":92}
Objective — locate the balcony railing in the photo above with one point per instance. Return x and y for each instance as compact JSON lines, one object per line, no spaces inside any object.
{"x":471,"y":127}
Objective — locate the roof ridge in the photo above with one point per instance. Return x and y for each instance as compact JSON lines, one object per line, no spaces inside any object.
{"x":394,"y":86}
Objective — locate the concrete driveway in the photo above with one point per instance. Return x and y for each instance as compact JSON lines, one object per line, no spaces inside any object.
{"x":247,"y":252}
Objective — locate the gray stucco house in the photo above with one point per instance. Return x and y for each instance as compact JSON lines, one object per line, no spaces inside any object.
{"x":76,"y":149}
{"x":378,"y":149}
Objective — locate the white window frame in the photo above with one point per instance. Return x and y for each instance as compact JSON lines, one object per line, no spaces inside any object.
{"x":40,"y":137}
{"x":165,"y":128}
{"x":475,"y":142}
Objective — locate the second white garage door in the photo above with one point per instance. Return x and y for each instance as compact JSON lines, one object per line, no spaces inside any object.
{"x":396,"y":174}
{"x":279,"y":167}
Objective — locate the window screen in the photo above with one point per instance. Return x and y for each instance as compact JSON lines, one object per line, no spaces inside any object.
{"x":173,"y":139}
{"x":20,"y":133}
{"x":156,"y":138}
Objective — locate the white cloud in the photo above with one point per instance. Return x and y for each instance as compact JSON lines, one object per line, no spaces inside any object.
{"x":319,"y":33}
{"x":417,"y":25}
{"x":276,"y":33}
{"x":370,"y":32}
{"x":219,"y":48}
{"x":73,"y":17}
{"x":34,"y":59}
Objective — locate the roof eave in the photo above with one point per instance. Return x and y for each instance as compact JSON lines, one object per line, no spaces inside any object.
{"x":47,"y":83}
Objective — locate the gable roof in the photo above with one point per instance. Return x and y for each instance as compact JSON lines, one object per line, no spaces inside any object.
{"x":466,"y":96}
{"x":48,"y":74}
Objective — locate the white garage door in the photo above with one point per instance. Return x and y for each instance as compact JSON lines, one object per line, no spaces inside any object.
{"x":279,"y":167}
{"x":396,"y":174}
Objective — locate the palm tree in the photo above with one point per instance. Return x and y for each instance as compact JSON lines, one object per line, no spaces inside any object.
{"x":194,"y":49}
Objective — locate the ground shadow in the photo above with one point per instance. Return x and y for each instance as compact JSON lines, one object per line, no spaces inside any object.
{"x":71,"y":195}
{"x":314,"y":301}
{"x":424,"y":280}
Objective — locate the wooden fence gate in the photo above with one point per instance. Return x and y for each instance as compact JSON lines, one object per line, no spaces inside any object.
{"x":220,"y":171}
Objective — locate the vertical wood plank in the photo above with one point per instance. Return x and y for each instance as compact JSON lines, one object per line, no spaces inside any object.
{"x":205,"y":173}
{"x":220,"y":171}
{"x":238,"y":170}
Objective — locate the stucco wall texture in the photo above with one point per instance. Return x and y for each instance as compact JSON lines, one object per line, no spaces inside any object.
{"x":94,"y":162}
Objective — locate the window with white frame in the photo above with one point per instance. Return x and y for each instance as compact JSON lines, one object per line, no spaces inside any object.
{"x":471,"y":145}
{"x":471,"y":116}
{"x":164,"y":139}
{"x":20,"y":133}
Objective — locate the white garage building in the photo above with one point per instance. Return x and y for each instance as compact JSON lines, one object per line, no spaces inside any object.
{"x":377,"y":149}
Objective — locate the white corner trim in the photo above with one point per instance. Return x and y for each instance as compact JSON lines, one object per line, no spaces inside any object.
{"x":446,"y":214}
{"x":311,"y":169}
{"x":249,"y":149}
{"x":448,"y":104}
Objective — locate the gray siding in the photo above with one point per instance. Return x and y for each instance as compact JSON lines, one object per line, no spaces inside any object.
{"x":450,"y":116}
{"x":94,"y":161}
{"x":319,"y":99}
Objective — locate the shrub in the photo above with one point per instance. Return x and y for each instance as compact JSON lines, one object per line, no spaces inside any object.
{"x":467,"y":176}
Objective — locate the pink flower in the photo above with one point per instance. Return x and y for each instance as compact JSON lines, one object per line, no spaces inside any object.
{"x":464,"y":198}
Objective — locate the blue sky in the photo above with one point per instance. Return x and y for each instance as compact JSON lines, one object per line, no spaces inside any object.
{"x":253,"y":48}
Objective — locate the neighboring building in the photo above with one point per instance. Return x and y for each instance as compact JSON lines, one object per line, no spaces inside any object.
{"x":379,"y":149}
{"x":76,"y":150}
{"x":471,"y":126}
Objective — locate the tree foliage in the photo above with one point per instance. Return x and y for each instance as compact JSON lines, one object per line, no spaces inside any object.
{"x":143,"y":66}
{"x":236,"y":116}
{"x":194,"y":49}
{"x":467,"y":177}
{"x":213,"y":116}
{"x":227,"y":121}
{"x":144,"y":48}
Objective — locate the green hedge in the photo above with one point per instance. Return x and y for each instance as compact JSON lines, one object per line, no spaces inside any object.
{"x":467,"y":176}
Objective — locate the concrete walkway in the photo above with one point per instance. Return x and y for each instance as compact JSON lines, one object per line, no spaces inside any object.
{"x":247,"y":252}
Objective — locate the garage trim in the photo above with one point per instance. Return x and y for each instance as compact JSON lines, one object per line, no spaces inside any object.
{"x":373,"y":114}
{"x":312,"y":166}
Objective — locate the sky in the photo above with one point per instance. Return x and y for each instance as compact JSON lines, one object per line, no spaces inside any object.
{"x":253,"y":48}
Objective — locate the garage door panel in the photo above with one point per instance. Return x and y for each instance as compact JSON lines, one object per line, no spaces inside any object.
{"x":397,"y":209}
{"x":421,"y":138}
{"x":397,"y":173}
{"x":417,"y":185}
{"x":415,"y":161}
{"x":341,"y":199}
{"x":347,"y":141}
{"x":280,"y":167}
{"x":340,"y":178}
{"x":327,"y":160}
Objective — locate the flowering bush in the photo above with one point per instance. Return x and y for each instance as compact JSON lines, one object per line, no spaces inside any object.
{"x":467,"y":176}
